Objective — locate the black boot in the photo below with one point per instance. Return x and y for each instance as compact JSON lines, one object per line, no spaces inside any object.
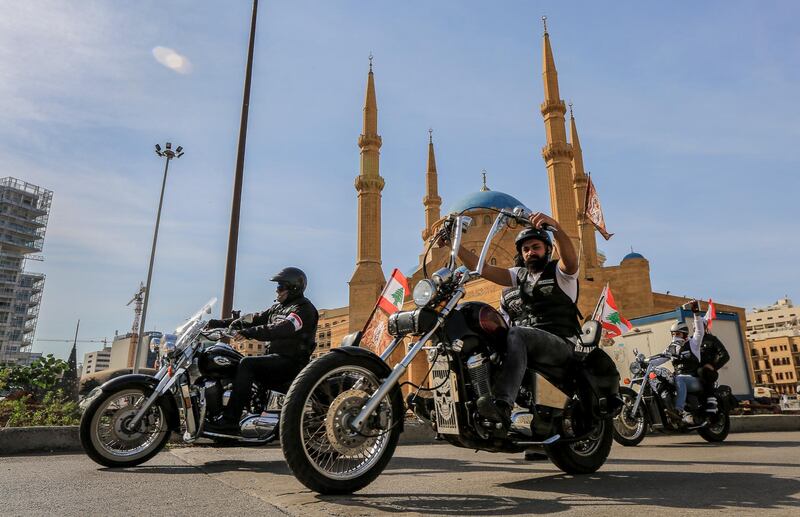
{"x":495,"y":410}
{"x":223,"y":425}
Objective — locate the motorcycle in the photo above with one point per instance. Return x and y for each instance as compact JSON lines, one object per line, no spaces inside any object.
{"x":130,"y":418}
{"x":652,"y":406}
{"x":344,"y":413}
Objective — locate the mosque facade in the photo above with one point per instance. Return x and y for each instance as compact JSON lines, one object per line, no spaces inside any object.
{"x":563,"y":157}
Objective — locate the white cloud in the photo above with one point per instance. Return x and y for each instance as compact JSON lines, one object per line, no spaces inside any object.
{"x":172,"y":60}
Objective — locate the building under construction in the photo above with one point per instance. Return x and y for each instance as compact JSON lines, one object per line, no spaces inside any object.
{"x":24,"y":209}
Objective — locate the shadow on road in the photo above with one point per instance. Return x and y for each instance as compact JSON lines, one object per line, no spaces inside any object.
{"x":211,"y":467}
{"x":727,"y":443}
{"x":671,"y":489}
{"x":448,"y":504}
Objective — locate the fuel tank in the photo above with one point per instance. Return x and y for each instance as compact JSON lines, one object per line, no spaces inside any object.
{"x":219,"y":361}
{"x":483,"y":321}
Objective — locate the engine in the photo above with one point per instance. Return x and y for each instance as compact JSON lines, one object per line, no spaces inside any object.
{"x":479,"y":374}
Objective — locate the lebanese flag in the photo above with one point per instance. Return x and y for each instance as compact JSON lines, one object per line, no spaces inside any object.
{"x":711,"y":314}
{"x":394,"y":293}
{"x":609,"y":317}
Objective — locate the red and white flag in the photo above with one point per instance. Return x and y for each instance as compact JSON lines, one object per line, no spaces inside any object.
{"x":609,"y":317}
{"x":394,"y":293}
{"x":711,"y":314}
{"x":375,"y":336}
{"x":594,"y":212}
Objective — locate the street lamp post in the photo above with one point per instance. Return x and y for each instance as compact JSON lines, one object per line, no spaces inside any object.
{"x":169,"y":154}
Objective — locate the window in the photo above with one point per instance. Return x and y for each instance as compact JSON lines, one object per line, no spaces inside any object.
{"x":493,"y":262}
{"x":487,"y":219}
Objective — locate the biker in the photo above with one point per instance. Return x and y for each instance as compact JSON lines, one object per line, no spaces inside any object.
{"x":546,"y":328}
{"x":289,"y":327}
{"x":713,"y":356}
{"x":687,"y":362}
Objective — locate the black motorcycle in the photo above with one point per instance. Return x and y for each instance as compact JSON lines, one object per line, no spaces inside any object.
{"x":129,"y":419}
{"x":344,"y":412}
{"x":651,"y":405}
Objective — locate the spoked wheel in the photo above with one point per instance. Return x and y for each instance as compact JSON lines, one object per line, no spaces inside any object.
{"x":717,"y":430}
{"x":322,"y":450}
{"x":585,"y":456}
{"x":629,"y":429}
{"x":110,"y":440}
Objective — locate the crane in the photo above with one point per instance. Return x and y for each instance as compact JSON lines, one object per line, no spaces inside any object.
{"x":137,"y":302}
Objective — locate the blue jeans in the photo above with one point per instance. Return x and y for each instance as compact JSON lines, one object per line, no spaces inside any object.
{"x":686,"y":384}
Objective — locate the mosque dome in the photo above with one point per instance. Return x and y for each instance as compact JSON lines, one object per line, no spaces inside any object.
{"x":485,"y":198}
{"x":633,"y":255}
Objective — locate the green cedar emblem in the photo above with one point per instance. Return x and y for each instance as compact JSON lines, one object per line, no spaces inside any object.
{"x":614,"y":318}
{"x":397,"y":297}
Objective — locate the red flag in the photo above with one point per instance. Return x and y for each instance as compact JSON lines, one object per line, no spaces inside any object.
{"x":375,"y":335}
{"x":391,"y":299}
{"x":594,"y":212}
{"x":711,"y":314}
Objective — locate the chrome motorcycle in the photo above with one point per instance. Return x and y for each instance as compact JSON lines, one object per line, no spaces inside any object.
{"x":651,"y":406}
{"x":343,"y":414}
{"x":130,"y":418}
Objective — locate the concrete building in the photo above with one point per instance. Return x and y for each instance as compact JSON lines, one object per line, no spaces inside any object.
{"x":96,"y":361}
{"x":123,"y":349}
{"x":773,"y":335}
{"x":568,"y":182}
{"x":24,"y":211}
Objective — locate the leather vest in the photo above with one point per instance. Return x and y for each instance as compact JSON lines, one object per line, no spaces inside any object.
{"x":687,"y":363}
{"x":545,"y":305}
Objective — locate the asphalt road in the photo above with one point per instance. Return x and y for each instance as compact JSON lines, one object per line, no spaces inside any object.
{"x":751,"y":473}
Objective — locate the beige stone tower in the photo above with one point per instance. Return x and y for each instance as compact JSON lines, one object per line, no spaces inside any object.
{"x":368,"y":278}
{"x":431,"y":201}
{"x":581,"y":183}
{"x":557,"y":153}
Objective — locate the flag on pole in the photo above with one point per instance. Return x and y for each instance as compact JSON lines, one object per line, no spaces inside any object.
{"x":375,"y":335}
{"x":711,"y":314}
{"x":609,"y":317}
{"x":594,"y":212}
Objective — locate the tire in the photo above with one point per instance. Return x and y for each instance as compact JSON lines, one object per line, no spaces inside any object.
{"x":583,"y":457}
{"x":321,"y":393}
{"x":99,"y":414}
{"x":718,"y":431}
{"x":629,"y":430}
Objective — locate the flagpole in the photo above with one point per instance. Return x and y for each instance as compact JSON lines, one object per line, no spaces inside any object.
{"x":581,"y":224}
{"x":375,"y":308}
{"x":600,"y":301}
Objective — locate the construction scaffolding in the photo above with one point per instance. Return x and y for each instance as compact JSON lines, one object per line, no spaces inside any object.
{"x":24,"y":213}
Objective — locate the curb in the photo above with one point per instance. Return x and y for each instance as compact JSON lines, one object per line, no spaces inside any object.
{"x":21,"y":440}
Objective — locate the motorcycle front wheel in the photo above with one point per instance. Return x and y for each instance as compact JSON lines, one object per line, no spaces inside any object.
{"x":107,"y":437}
{"x":321,"y":449}
{"x":629,"y":429}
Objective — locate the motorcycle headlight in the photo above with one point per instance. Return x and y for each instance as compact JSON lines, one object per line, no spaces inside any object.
{"x":636,"y":368}
{"x":423,"y":292}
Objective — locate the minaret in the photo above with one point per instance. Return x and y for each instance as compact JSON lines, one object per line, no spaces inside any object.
{"x":581,"y":183}
{"x":431,"y":201}
{"x":368,"y":279}
{"x":557,"y":153}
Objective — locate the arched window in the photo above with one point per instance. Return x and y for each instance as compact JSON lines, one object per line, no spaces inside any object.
{"x":487,"y":219}
{"x":493,"y":261}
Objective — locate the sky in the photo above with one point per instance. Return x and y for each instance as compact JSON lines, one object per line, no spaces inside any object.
{"x":687,"y":114}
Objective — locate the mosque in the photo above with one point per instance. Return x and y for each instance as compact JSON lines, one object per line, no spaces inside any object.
{"x":629,"y":280}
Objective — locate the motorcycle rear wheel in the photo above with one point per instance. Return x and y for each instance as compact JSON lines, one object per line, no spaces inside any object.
{"x":586,"y":456}
{"x":316,"y":440}
{"x":106,"y":438}
{"x":718,"y":429}
{"x":629,"y":430}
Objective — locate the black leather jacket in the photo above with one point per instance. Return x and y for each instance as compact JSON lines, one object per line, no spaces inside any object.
{"x":713,"y":352}
{"x":289,"y":328}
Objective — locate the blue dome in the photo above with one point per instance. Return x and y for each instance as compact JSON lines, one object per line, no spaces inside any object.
{"x":485,"y":198}
{"x":633,"y":255}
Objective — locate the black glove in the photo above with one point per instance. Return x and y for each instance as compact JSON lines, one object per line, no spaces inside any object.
{"x":246,"y":333}
{"x":237,"y":324}
{"x":216,"y":324}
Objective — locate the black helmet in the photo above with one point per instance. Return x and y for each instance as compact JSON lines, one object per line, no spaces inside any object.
{"x":532,"y":233}
{"x":293,"y":279}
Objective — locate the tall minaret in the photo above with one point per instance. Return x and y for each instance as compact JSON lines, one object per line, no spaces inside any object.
{"x":368,"y":279}
{"x":580,"y":182}
{"x":431,"y":201}
{"x":557,"y":153}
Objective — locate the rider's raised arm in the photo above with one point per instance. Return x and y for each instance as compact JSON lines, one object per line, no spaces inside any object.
{"x":497,"y":275}
{"x":568,"y":258}
{"x":697,"y":337}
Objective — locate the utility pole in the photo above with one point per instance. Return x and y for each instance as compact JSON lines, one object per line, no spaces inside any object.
{"x":233,"y":236}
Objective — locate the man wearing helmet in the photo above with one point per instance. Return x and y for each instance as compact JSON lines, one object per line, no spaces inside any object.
{"x":545,"y":319}
{"x":289,"y":327}
{"x":687,"y":362}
